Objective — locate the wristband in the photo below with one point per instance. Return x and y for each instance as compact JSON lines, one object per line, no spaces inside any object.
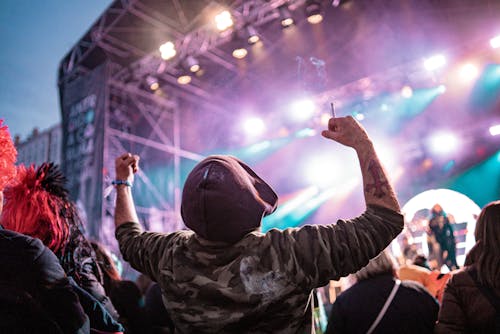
{"x":121,"y":182}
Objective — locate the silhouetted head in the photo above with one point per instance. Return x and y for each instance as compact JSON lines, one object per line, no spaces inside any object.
{"x":223,"y":199}
{"x":437,"y":209}
{"x":382,"y":264}
{"x":486,"y":253}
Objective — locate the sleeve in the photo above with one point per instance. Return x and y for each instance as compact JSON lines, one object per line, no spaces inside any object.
{"x":100,"y":319}
{"x":451,"y":317}
{"x":58,"y":296}
{"x":316,"y":254}
{"x":143,"y":250}
{"x":89,"y":281}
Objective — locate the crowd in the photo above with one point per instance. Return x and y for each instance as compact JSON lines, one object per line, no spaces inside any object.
{"x":223,"y":275}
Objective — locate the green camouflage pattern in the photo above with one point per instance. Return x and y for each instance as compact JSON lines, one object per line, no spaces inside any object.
{"x":261,"y":284}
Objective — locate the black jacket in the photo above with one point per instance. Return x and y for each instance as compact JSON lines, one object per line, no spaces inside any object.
{"x":413,"y":309}
{"x":465,"y":308}
{"x":33,"y":271}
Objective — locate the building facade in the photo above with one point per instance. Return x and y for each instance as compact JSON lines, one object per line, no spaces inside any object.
{"x":40,"y":147}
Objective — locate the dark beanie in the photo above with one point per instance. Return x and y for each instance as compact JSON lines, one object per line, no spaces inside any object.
{"x":223,"y":199}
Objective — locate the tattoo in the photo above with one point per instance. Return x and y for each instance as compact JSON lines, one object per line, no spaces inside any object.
{"x":378,"y":180}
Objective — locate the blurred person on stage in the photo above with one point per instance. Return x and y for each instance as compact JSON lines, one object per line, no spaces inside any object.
{"x":471,"y":302}
{"x":380,"y":303}
{"x":226,"y":276}
{"x":441,"y":231}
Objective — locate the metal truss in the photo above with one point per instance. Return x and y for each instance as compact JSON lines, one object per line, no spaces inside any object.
{"x":129,"y":109}
{"x":109,"y":37}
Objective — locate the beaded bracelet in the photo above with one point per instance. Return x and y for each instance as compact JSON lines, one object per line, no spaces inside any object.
{"x":121,"y":182}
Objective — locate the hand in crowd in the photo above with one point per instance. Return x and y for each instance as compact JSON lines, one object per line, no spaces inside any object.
{"x":346,"y":131}
{"x":125,"y":166}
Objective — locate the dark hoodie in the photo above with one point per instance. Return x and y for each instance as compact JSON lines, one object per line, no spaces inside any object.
{"x":226,"y":276}
{"x":223,"y":199}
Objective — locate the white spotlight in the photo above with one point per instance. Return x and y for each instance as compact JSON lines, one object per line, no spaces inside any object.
{"x":469,"y":72}
{"x":302,"y":110}
{"x":167,"y":50}
{"x":495,"y":130}
{"x":441,"y":89}
{"x":223,"y":20}
{"x":406,"y":92}
{"x":443,"y":143}
{"x":434,"y":62}
{"x":240,"y":53}
{"x":495,"y":42}
{"x":359,"y":116}
{"x":184,"y":79}
{"x":254,"y":126}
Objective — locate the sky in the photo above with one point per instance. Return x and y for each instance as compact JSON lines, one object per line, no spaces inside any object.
{"x":35,"y":36}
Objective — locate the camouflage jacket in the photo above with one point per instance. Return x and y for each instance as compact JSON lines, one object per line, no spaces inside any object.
{"x":261,"y":284}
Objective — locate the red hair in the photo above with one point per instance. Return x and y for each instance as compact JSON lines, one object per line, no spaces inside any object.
{"x":8,"y":156}
{"x":35,"y":206}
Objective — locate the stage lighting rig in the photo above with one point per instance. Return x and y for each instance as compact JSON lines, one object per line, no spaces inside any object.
{"x":286,"y":18}
{"x":192,"y":64}
{"x":313,"y":12}
{"x":251,"y":34}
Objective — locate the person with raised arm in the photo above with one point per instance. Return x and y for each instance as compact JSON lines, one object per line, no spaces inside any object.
{"x":224,"y":275}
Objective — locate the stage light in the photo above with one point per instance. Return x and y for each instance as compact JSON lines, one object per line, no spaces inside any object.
{"x":184,"y":79}
{"x":254,"y":126}
{"x":302,"y":110}
{"x":443,"y":143}
{"x":495,"y":42}
{"x":313,"y":12}
{"x":152,"y":82}
{"x":441,"y":89}
{"x":285,"y":16}
{"x":434,"y":62}
{"x":384,"y":107}
{"x":167,"y":50}
{"x":251,"y":35}
{"x":495,"y":130}
{"x":406,"y":92}
{"x":469,"y":72}
{"x":192,"y":64}
{"x":223,"y":20}
{"x":240,"y":53}
{"x":359,"y":116}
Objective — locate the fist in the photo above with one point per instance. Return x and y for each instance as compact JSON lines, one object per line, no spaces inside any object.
{"x":346,"y":131}
{"x":126,"y":165}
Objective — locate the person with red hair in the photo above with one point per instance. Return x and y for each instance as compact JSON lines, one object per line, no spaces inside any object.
{"x":37,"y":204}
{"x":35,"y":294}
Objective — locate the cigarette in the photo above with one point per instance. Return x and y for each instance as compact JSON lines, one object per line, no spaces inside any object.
{"x":333,"y":110}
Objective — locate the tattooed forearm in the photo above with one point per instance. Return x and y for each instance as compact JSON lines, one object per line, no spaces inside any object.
{"x":378,"y":189}
{"x":379,"y":181}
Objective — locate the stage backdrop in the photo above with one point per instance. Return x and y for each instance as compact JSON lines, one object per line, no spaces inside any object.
{"x":82,"y":107}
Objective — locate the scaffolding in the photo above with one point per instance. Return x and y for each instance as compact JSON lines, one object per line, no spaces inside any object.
{"x":107,"y":109}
